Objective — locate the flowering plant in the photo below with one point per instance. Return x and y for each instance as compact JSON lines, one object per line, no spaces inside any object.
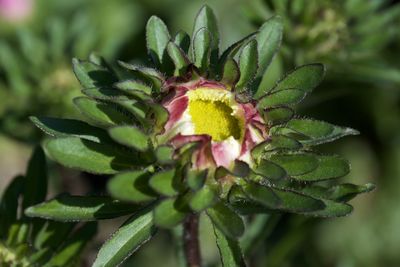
{"x":196,"y":133}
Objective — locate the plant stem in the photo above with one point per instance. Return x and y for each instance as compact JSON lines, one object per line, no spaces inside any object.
{"x":191,"y":240}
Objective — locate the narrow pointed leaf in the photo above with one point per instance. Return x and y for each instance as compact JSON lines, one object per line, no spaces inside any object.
{"x":229,"y":250}
{"x":132,"y":186}
{"x":345,"y":192}
{"x":329,"y":167}
{"x":105,"y":94}
{"x":133,"y":86}
{"x":67,"y":208}
{"x":182,"y":40}
{"x":262,"y":194}
{"x":278,"y":115}
{"x":230,"y":73}
{"x":154,"y":76}
{"x":226,"y":220}
{"x":179,"y":58}
{"x":35,"y":179}
{"x":282,"y":97}
{"x":91,"y":75}
{"x":69,"y":127}
{"x":70,"y":251}
{"x":136,"y":231}
{"x":304,"y":78}
{"x":157,"y":37}
{"x":269,"y":170}
{"x":9,"y":204}
{"x":269,"y":38}
{"x":318,"y":132}
{"x":248,"y":64}
{"x":332,"y":209}
{"x":206,"y":20}
{"x":89,"y":156}
{"x":100,"y":113}
{"x":130,"y":136}
{"x":296,"y":164}
{"x":202,"y":49}
{"x":52,"y":234}
{"x":296,"y":202}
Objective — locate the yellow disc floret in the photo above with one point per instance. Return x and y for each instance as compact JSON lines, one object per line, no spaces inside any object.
{"x":212,"y":112}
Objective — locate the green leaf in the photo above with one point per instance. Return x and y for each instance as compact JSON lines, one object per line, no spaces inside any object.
{"x":163,"y":182}
{"x":170,"y":212}
{"x":329,"y":167}
{"x":165,"y":154}
{"x":52,"y":234}
{"x":296,"y":164}
{"x":332,"y":209}
{"x":231,"y":51}
{"x":203,"y":198}
{"x":248,"y":64}
{"x":69,"y":127}
{"x":318,"y":132}
{"x":130,"y":136}
{"x":132,"y":186}
{"x":229,"y":250}
{"x":280,"y":142}
{"x":269,"y":170}
{"x":206,"y":19}
{"x":69,"y":253}
{"x":202,"y":49}
{"x":35,"y":179}
{"x":282,"y":97}
{"x":89,"y":156}
{"x":278,"y":115}
{"x":136,"y":231}
{"x":160,"y":116}
{"x":157,"y":37}
{"x":182,"y":39}
{"x":196,"y":178}
{"x":9,"y":204}
{"x":296,"y":202}
{"x":101,"y":113}
{"x":346,"y":192}
{"x":230,"y":73}
{"x":105,"y":94}
{"x":304,"y":78}
{"x":151,"y":74}
{"x":135,"y":88}
{"x":179,"y":58}
{"x":226,"y":220}
{"x":67,"y":208}
{"x":262,"y":194}
{"x":269,"y":39}
{"x":91,"y":75}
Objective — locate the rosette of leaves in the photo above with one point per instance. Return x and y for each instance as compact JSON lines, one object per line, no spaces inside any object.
{"x":35,"y":58}
{"x":28,"y":241}
{"x":197,"y":133}
{"x":342,"y":34}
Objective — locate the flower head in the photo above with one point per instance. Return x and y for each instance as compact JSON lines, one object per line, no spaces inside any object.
{"x":208,"y":111}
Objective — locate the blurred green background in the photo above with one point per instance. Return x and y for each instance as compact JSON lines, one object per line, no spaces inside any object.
{"x":358,"y":40}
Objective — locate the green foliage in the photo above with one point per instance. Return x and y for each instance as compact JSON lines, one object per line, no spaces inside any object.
{"x":156,"y":180}
{"x":26,"y":241}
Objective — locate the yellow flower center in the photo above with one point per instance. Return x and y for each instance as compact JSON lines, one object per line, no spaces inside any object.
{"x":215,"y":112}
